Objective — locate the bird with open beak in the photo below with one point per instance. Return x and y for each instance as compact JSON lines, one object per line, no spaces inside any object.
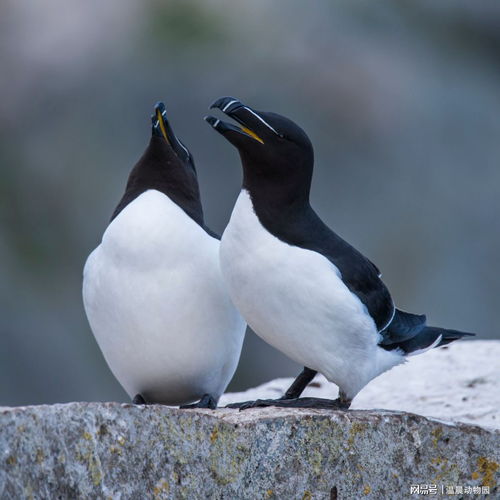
{"x":300,"y":286}
{"x":153,"y":290}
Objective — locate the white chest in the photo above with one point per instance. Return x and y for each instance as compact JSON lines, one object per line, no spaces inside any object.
{"x":295,"y":299}
{"x":158,"y":306}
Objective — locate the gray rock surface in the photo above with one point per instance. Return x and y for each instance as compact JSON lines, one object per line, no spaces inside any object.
{"x":108,"y":450}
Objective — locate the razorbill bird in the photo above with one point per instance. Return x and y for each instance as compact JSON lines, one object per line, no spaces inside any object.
{"x":299,"y":286}
{"x":153,"y":290}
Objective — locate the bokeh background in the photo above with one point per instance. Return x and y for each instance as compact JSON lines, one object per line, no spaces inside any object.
{"x":400,"y":98}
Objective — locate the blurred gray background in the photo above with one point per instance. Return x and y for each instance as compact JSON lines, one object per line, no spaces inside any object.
{"x":401,"y":100}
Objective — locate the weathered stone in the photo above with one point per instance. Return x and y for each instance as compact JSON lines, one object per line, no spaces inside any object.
{"x":108,"y":450}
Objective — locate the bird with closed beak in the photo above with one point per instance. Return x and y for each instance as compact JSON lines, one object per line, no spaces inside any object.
{"x":300,"y":286}
{"x":153,"y":290}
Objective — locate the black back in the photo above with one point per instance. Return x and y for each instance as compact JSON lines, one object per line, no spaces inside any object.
{"x":277,"y":173}
{"x":297,"y":224}
{"x":278,"y":158}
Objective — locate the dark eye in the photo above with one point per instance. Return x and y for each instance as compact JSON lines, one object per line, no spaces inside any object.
{"x":286,"y":138}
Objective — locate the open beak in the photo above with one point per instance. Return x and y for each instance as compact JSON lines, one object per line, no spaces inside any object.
{"x":161,"y":128}
{"x":249,"y":122}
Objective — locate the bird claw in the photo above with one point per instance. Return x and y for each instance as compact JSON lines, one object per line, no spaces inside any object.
{"x":317,"y":403}
{"x":258,"y":403}
{"x":139,"y":400}
{"x":207,"y":401}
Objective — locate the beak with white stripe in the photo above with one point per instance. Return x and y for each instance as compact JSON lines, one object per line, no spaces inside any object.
{"x":270,"y":145}
{"x":250,"y":123}
{"x":161,"y":128}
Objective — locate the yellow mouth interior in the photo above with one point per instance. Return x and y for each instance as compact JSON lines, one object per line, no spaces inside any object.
{"x":162,"y":125}
{"x":251,"y":133}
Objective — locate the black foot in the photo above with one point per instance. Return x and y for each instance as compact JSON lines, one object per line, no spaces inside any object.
{"x":139,"y":400}
{"x":207,"y":401}
{"x":320,"y":403}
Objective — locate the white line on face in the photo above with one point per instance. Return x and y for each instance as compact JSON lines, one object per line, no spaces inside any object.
{"x":183,"y":147}
{"x":261,"y":119}
{"x":164,"y":114}
{"x":216,"y":123}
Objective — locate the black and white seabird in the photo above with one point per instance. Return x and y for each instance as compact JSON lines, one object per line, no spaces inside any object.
{"x":300,"y":286}
{"x":153,"y":290}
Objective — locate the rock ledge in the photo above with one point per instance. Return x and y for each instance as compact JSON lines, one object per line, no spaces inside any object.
{"x":109,"y":450}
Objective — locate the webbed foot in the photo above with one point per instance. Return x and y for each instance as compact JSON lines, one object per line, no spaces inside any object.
{"x":139,"y":400}
{"x":207,"y":401}
{"x":319,"y":403}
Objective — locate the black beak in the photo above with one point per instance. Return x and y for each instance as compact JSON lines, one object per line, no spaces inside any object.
{"x":227,"y":105}
{"x":161,"y":128}
{"x":251,"y":124}
{"x":221,"y":126}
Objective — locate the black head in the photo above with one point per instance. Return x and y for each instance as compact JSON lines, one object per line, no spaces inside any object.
{"x":167,"y":166}
{"x":276,"y":154}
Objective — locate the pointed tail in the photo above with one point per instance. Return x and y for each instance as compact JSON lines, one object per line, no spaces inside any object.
{"x":430,"y":337}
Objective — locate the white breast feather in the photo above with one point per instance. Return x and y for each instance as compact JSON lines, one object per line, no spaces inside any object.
{"x":158,"y":306}
{"x":296,"y":301}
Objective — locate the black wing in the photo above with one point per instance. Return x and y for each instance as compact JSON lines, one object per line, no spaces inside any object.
{"x":360,"y":276}
{"x":303,"y":228}
{"x":427,"y":337}
{"x":404,"y":326}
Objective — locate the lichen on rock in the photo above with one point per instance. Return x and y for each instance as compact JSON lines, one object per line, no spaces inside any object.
{"x":108,"y":450}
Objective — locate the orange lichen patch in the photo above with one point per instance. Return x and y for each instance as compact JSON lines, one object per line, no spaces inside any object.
{"x":436,"y":433}
{"x":486,"y":469}
{"x":161,"y":489}
{"x":214,"y":435}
